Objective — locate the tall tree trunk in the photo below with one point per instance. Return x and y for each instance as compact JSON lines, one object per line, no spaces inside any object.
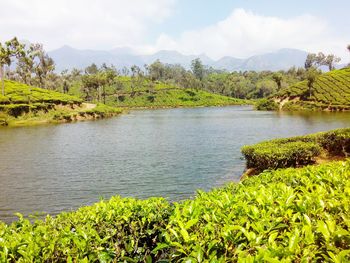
{"x":104,"y":95}
{"x":2,"y":77}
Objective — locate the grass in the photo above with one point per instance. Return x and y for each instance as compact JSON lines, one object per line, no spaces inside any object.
{"x":330,"y":91}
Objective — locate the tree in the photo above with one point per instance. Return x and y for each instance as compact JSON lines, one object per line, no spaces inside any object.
{"x":311,"y":76}
{"x":92,"y":69}
{"x":11,"y":48}
{"x":313,"y":60}
{"x":156,"y":70}
{"x":43,"y":64}
{"x":25,"y":66}
{"x":277,"y":77}
{"x":197,"y":68}
{"x":136,"y":78}
{"x":330,"y":61}
{"x":310,"y":60}
{"x":65,"y":87}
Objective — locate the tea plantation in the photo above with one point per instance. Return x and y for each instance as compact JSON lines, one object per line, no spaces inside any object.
{"x":23,"y":104}
{"x":157,"y":94}
{"x":330,"y":91}
{"x":287,"y":215}
{"x":297,"y":151}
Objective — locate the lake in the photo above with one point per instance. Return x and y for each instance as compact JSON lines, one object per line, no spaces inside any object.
{"x":168,"y":152}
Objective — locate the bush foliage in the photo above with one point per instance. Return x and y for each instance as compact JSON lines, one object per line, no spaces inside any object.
{"x":266,"y":104}
{"x":296,"y":151}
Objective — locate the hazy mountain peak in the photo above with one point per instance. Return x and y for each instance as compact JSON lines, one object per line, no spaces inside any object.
{"x":68,"y":57}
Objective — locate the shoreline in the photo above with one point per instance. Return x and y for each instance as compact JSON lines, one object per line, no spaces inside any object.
{"x":90,"y":115}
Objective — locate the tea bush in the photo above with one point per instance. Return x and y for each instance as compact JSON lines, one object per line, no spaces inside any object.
{"x":123,"y":229}
{"x":291,"y":215}
{"x":296,"y":151}
{"x":266,"y":104}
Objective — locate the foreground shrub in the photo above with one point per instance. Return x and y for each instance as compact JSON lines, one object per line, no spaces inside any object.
{"x":124,"y":229}
{"x":266,"y":104}
{"x":296,"y":151}
{"x":273,"y":155}
{"x":292,"y":215}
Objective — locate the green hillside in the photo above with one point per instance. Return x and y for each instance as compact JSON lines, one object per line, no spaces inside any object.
{"x":128,"y":92}
{"x":173,"y":97}
{"x":331,"y":91}
{"x":18,"y":93}
{"x":23,"y":104}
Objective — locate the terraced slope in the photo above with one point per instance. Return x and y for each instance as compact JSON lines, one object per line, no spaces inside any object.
{"x":174,"y":97}
{"x":330,"y":91}
{"x":156,"y":94}
{"x":18,"y":93}
{"x":23,"y":104}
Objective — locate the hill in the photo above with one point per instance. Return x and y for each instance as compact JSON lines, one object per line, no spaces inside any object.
{"x":331,"y":91}
{"x":156,"y":94}
{"x":23,"y":104}
{"x":67,"y":58}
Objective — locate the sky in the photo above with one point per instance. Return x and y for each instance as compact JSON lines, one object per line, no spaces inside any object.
{"x":238,"y":28}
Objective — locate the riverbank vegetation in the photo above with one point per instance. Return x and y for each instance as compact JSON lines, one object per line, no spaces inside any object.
{"x":24,"y":105}
{"x":297,"y":151}
{"x":293,"y":214}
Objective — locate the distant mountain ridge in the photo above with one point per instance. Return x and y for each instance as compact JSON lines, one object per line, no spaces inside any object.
{"x":67,"y":58}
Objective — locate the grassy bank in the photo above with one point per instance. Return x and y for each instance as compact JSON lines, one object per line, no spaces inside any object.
{"x":26,"y":105}
{"x":289,"y":215}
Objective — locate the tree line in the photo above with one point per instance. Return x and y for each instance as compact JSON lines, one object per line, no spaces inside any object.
{"x":31,"y":65}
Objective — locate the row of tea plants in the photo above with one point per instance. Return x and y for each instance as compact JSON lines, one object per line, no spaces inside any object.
{"x":297,"y":151}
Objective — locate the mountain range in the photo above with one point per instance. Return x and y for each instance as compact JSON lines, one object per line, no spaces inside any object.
{"x":67,"y":57}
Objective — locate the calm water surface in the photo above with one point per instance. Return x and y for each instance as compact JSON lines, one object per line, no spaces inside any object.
{"x":168,"y":153}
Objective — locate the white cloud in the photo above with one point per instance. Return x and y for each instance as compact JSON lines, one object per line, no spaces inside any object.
{"x":104,"y":24}
{"x":81,"y":23}
{"x":244,"y":33}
